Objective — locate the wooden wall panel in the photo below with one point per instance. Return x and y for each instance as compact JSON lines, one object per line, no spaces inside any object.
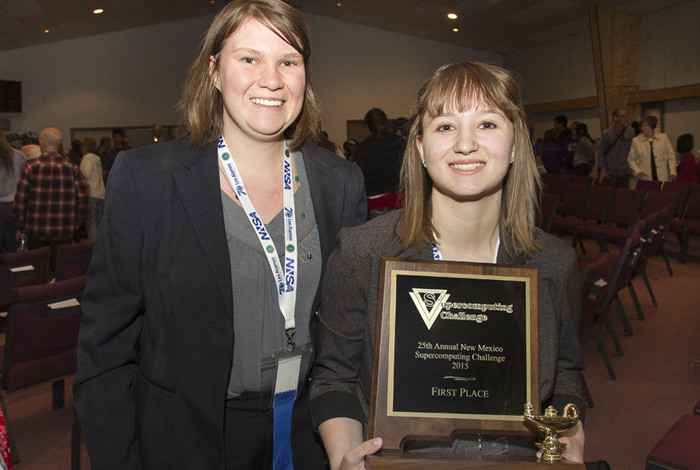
{"x":616,"y":37}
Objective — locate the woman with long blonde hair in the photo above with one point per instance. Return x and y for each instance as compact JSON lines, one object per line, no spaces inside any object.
{"x":471,"y":189}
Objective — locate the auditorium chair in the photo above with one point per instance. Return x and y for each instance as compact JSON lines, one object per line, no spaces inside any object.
{"x":679,"y":448}
{"x":41,"y":340}
{"x":27,"y":268}
{"x":73,"y":259}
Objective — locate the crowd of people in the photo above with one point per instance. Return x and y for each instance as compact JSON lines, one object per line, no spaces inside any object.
{"x":230,"y":310}
{"x":625,"y":153}
{"x":50,"y":197}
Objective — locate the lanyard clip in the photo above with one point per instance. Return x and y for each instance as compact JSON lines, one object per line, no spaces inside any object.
{"x":290,"y":339}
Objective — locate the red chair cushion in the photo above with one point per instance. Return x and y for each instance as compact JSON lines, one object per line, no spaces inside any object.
{"x":679,"y":448}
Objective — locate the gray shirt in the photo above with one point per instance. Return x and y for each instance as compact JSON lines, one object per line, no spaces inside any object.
{"x":257,"y":321}
{"x":612,"y":152}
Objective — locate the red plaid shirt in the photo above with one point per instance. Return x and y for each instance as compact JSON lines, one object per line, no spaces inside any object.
{"x":51,"y":199}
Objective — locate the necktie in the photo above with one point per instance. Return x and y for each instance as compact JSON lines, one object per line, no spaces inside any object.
{"x":654,"y":176}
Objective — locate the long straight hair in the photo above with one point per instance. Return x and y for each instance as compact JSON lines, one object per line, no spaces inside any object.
{"x":460,"y":87}
{"x":201,"y":105}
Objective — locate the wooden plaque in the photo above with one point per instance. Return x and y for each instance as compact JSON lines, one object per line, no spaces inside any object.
{"x":456,"y":350}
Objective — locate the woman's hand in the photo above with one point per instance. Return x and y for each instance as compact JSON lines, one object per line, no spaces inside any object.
{"x":574,"y":439}
{"x":342,"y":438}
{"x":354,"y":459}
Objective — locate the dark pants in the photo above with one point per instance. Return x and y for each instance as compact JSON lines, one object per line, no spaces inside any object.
{"x":621,"y":181}
{"x":9,"y":228}
{"x":248,"y":435}
{"x":53,"y":245}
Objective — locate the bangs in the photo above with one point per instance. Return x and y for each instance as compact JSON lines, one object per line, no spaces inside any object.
{"x":454,"y":90}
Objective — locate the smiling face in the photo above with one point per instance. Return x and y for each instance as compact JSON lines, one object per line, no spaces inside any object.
{"x":467,"y":154}
{"x":262,"y":81}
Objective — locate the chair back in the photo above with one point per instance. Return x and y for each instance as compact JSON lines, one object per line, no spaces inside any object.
{"x":27,"y":268}
{"x":594,"y":288}
{"x":648,"y":185}
{"x":606,"y":181}
{"x":655,"y":201}
{"x":657,"y":229}
{"x":581,"y":179}
{"x":558,"y":184}
{"x":42,"y":334}
{"x":73,"y":260}
{"x":692,"y":207}
{"x":625,"y":207}
{"x":683,"y":190}
{"x":596,"y":207}
{"x":626,"y":264}
{"x":574,"y":200}
{"x":546,"y":210}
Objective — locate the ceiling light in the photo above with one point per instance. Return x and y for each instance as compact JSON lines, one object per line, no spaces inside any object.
{"x":47,"y":31}
{"x":455,"y":30}
{"x":339,"y":4}
{"x":452,"y":16}
{"x":98,"y":11}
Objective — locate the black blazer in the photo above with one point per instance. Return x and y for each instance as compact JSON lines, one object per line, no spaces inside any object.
{"x":161,"y":272}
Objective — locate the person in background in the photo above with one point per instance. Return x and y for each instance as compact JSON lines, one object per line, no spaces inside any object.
{"x":567,"y":141}
{"x":584,"y":152}
{"x":471,"y":195}
{"x":689,"y":167}
{"x":11,"y":161}
{"x":51,"y":201}
{"x":109,"y":156}
{"x":379,"y":155}
{"x":31,"y":151}
{"x":210,"y":257}
{"x":636,"y":127}
{"x":349,"y":149}
{"x":613,"y":149}
{"x":75,"y":154}
{"x":651,"y":155}
{"x":550,"y":153}
{"x":91,"y":167}
{"x":104,"y":145}
{"x":326,"y":143}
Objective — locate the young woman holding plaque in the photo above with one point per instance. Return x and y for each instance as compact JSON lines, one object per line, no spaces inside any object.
{"x":471,"y":194}
{"x":183,"y":264}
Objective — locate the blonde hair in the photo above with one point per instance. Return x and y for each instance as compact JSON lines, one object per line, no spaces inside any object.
{"x":201,"y":105}
{"x":460,"y":87}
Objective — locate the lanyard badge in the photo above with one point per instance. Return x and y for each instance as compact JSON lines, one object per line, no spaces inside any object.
{"x":285,"y":275}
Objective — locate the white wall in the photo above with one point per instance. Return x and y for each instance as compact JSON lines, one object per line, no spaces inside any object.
{"x":134,"y":77}
{"x":123,"y":78}
{"x":355,"y":68}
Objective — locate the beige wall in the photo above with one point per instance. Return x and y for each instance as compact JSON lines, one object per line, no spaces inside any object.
{"x":670,"y":47}
{"x":134,"y":77}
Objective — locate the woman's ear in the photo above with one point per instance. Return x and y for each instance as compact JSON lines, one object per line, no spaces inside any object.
{"x":214,"y":72}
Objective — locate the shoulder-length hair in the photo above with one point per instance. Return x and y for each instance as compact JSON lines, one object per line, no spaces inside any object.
{"x":460,"y":87}
{"x":201,"y":105}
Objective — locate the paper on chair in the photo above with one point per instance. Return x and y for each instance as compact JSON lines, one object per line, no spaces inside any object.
{"x":65,"y":303}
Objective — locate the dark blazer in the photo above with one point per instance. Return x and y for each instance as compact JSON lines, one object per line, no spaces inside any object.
{"x":161,"y":272}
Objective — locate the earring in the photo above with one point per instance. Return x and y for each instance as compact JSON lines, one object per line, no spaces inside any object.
{"x":423,"y":162}
{"x":512,"y":156}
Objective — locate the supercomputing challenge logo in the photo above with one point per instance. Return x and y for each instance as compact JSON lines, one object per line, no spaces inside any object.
{"x":429,"y":303}
{"x":434,"y":303}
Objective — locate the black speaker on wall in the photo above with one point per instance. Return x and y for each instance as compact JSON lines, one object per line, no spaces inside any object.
{"x":10,"y":96}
